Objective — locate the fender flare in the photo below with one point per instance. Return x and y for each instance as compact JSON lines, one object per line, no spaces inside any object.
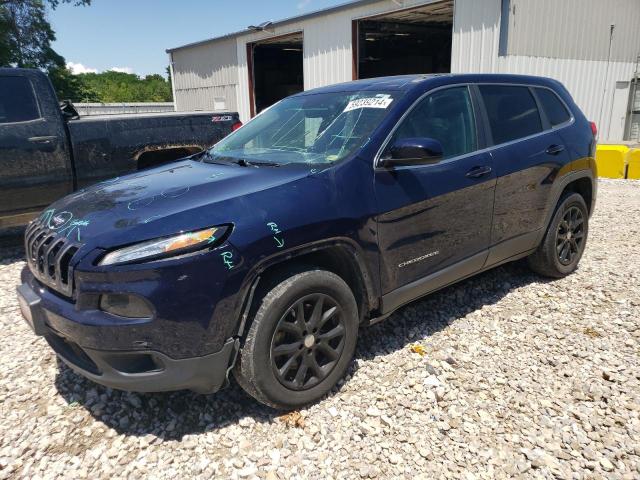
{"x":252,"y":278}
{"x":556,"y":192}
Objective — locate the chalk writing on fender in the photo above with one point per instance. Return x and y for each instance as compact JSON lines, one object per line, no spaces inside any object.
{"x":277,"y":234}
{"x":227,"y":258}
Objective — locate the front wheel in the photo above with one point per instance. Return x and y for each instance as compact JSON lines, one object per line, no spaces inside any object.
{"x":565,"y":240}
{"x":301,"y":340}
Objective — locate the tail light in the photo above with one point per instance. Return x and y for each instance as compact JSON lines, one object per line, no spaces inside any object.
{"x":594,"y":129}
{"x":236,"y":126}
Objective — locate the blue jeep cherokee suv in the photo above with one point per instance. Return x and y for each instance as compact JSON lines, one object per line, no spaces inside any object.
{"x":328,"y":211}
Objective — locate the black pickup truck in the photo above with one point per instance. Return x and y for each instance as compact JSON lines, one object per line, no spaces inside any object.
{"x":48,"y":151}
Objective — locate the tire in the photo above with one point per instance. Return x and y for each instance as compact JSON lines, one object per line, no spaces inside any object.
{"x":305,"y":326}
{"x":565,"y":239}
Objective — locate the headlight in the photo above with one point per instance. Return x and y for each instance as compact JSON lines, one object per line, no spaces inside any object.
{"x":163,"y":247}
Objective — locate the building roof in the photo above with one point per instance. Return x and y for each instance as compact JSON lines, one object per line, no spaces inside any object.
{"x":277,"y":23}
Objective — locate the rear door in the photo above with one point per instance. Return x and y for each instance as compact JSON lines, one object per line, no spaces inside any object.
{"x":528,"y":153}
{"x":436,"y":215}
{"x":34,"y":158}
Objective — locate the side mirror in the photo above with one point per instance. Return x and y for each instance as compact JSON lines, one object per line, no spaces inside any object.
{"x":68,"y":111}
{"x":413,"y":151}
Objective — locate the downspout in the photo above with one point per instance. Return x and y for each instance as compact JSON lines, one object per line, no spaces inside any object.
{"x":606,"y":77}
{"x":632,"y":101}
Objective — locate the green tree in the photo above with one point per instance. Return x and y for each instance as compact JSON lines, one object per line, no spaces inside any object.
{"x":26,"y":37}
{"x":126,"y":87}
{"x":25,"y":41}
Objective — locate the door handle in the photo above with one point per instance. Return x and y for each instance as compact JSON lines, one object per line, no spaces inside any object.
{"x":555,"y":149}
{"x":477,"y":172}
{"x":45,"y":139}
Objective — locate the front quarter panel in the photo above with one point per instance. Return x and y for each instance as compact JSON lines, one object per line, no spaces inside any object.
{"x":325,"y":208}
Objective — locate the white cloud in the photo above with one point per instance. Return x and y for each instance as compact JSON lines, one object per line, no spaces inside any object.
{"x":122,"y":69}
{"x":302,"y":4}
{"x":77,"y":68}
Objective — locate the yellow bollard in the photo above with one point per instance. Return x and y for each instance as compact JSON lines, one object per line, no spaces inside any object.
{"x":611,"y":160}
{"x":633,"y":169}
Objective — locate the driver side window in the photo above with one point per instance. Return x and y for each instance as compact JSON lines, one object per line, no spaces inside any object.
{"x":446,"y":116}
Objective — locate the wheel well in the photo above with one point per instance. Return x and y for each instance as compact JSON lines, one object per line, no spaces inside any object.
{"x":152,"y":158}
{"x":338,"y":260}
{"x":582,"y":186}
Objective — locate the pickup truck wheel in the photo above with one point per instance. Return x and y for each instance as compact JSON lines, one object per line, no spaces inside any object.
{"x":564,"y":242}
{"x":300,"y":342}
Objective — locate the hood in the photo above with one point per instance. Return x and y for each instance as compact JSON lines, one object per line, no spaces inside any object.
{"x":161,"y":201}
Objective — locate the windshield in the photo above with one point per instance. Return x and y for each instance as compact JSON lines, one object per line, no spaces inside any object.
{"x":320,"y":128}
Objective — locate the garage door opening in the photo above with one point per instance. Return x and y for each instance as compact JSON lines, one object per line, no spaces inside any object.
{"x":416,"y":40}
{"x":275,"y":69}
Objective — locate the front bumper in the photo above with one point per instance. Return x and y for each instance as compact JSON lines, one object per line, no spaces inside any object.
{"x":133,"y":370}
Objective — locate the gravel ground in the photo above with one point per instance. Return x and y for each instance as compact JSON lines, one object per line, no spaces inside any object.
{"x":503,"y":375}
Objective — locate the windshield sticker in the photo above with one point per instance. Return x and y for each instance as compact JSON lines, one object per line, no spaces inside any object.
{"x":382,"y":101}
{"x":277,"y":234}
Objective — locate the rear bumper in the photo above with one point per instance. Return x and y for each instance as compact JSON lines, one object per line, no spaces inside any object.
{"x":132,"y":370}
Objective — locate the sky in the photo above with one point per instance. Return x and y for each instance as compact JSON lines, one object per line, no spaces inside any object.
{"x":132,"y":35}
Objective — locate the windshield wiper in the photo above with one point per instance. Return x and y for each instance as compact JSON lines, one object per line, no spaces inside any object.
{"x":246,"y":163}
{"x":207,"y":157}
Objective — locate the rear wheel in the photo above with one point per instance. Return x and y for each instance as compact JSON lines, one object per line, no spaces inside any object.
{"x":301,"y":340}
{"x":564,"y":242}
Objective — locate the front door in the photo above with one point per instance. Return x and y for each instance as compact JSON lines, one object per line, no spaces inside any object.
{"x":438,"y":216}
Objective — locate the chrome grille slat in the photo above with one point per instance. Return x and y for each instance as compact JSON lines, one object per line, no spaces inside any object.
{"x":35,"y":244}
{"x":50,"y":257}
{"x":57,"y":242}
{"x":39,"y":248}
{"x":61,"y":256}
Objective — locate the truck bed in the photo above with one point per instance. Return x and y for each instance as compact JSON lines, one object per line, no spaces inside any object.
{"x":106,"y":146}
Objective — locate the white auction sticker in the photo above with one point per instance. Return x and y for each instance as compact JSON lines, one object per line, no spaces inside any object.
{"x":371,"y":102}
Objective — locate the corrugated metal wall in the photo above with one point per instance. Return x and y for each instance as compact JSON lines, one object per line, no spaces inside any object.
{"x":205,"y":77}
{"x":327,"y":46}
{"x":592,"y":83}
{"x":577,"y":29}
{"x":204,"y":71}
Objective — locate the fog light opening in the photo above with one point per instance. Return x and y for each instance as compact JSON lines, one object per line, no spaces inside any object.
{"x":133,"y":363}
{"x":125,"y":305}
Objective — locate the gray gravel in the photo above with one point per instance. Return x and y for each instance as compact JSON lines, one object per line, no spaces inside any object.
{"x":503,"y":375}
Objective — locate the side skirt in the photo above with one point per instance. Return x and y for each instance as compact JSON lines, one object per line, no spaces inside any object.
{"x":508,"y":251}
{"x":416,"y":289}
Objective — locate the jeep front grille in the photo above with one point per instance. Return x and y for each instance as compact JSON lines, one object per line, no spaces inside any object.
{"x":49,"y":257}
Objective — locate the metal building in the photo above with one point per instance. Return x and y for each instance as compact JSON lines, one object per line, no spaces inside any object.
{"x":592,"y":46}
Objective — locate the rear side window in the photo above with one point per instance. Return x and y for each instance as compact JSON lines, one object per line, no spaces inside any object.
{"x":513,"y":112}
{"x":556,"y":112}
{"x":446,"y":116}
{"x":17,"y":101}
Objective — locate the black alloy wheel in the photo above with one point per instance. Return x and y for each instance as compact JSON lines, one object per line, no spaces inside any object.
{"x":308,"y":341}
{"x":570,"y":235}
{"x":565,"y":239}
{"x":301,"y":338}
